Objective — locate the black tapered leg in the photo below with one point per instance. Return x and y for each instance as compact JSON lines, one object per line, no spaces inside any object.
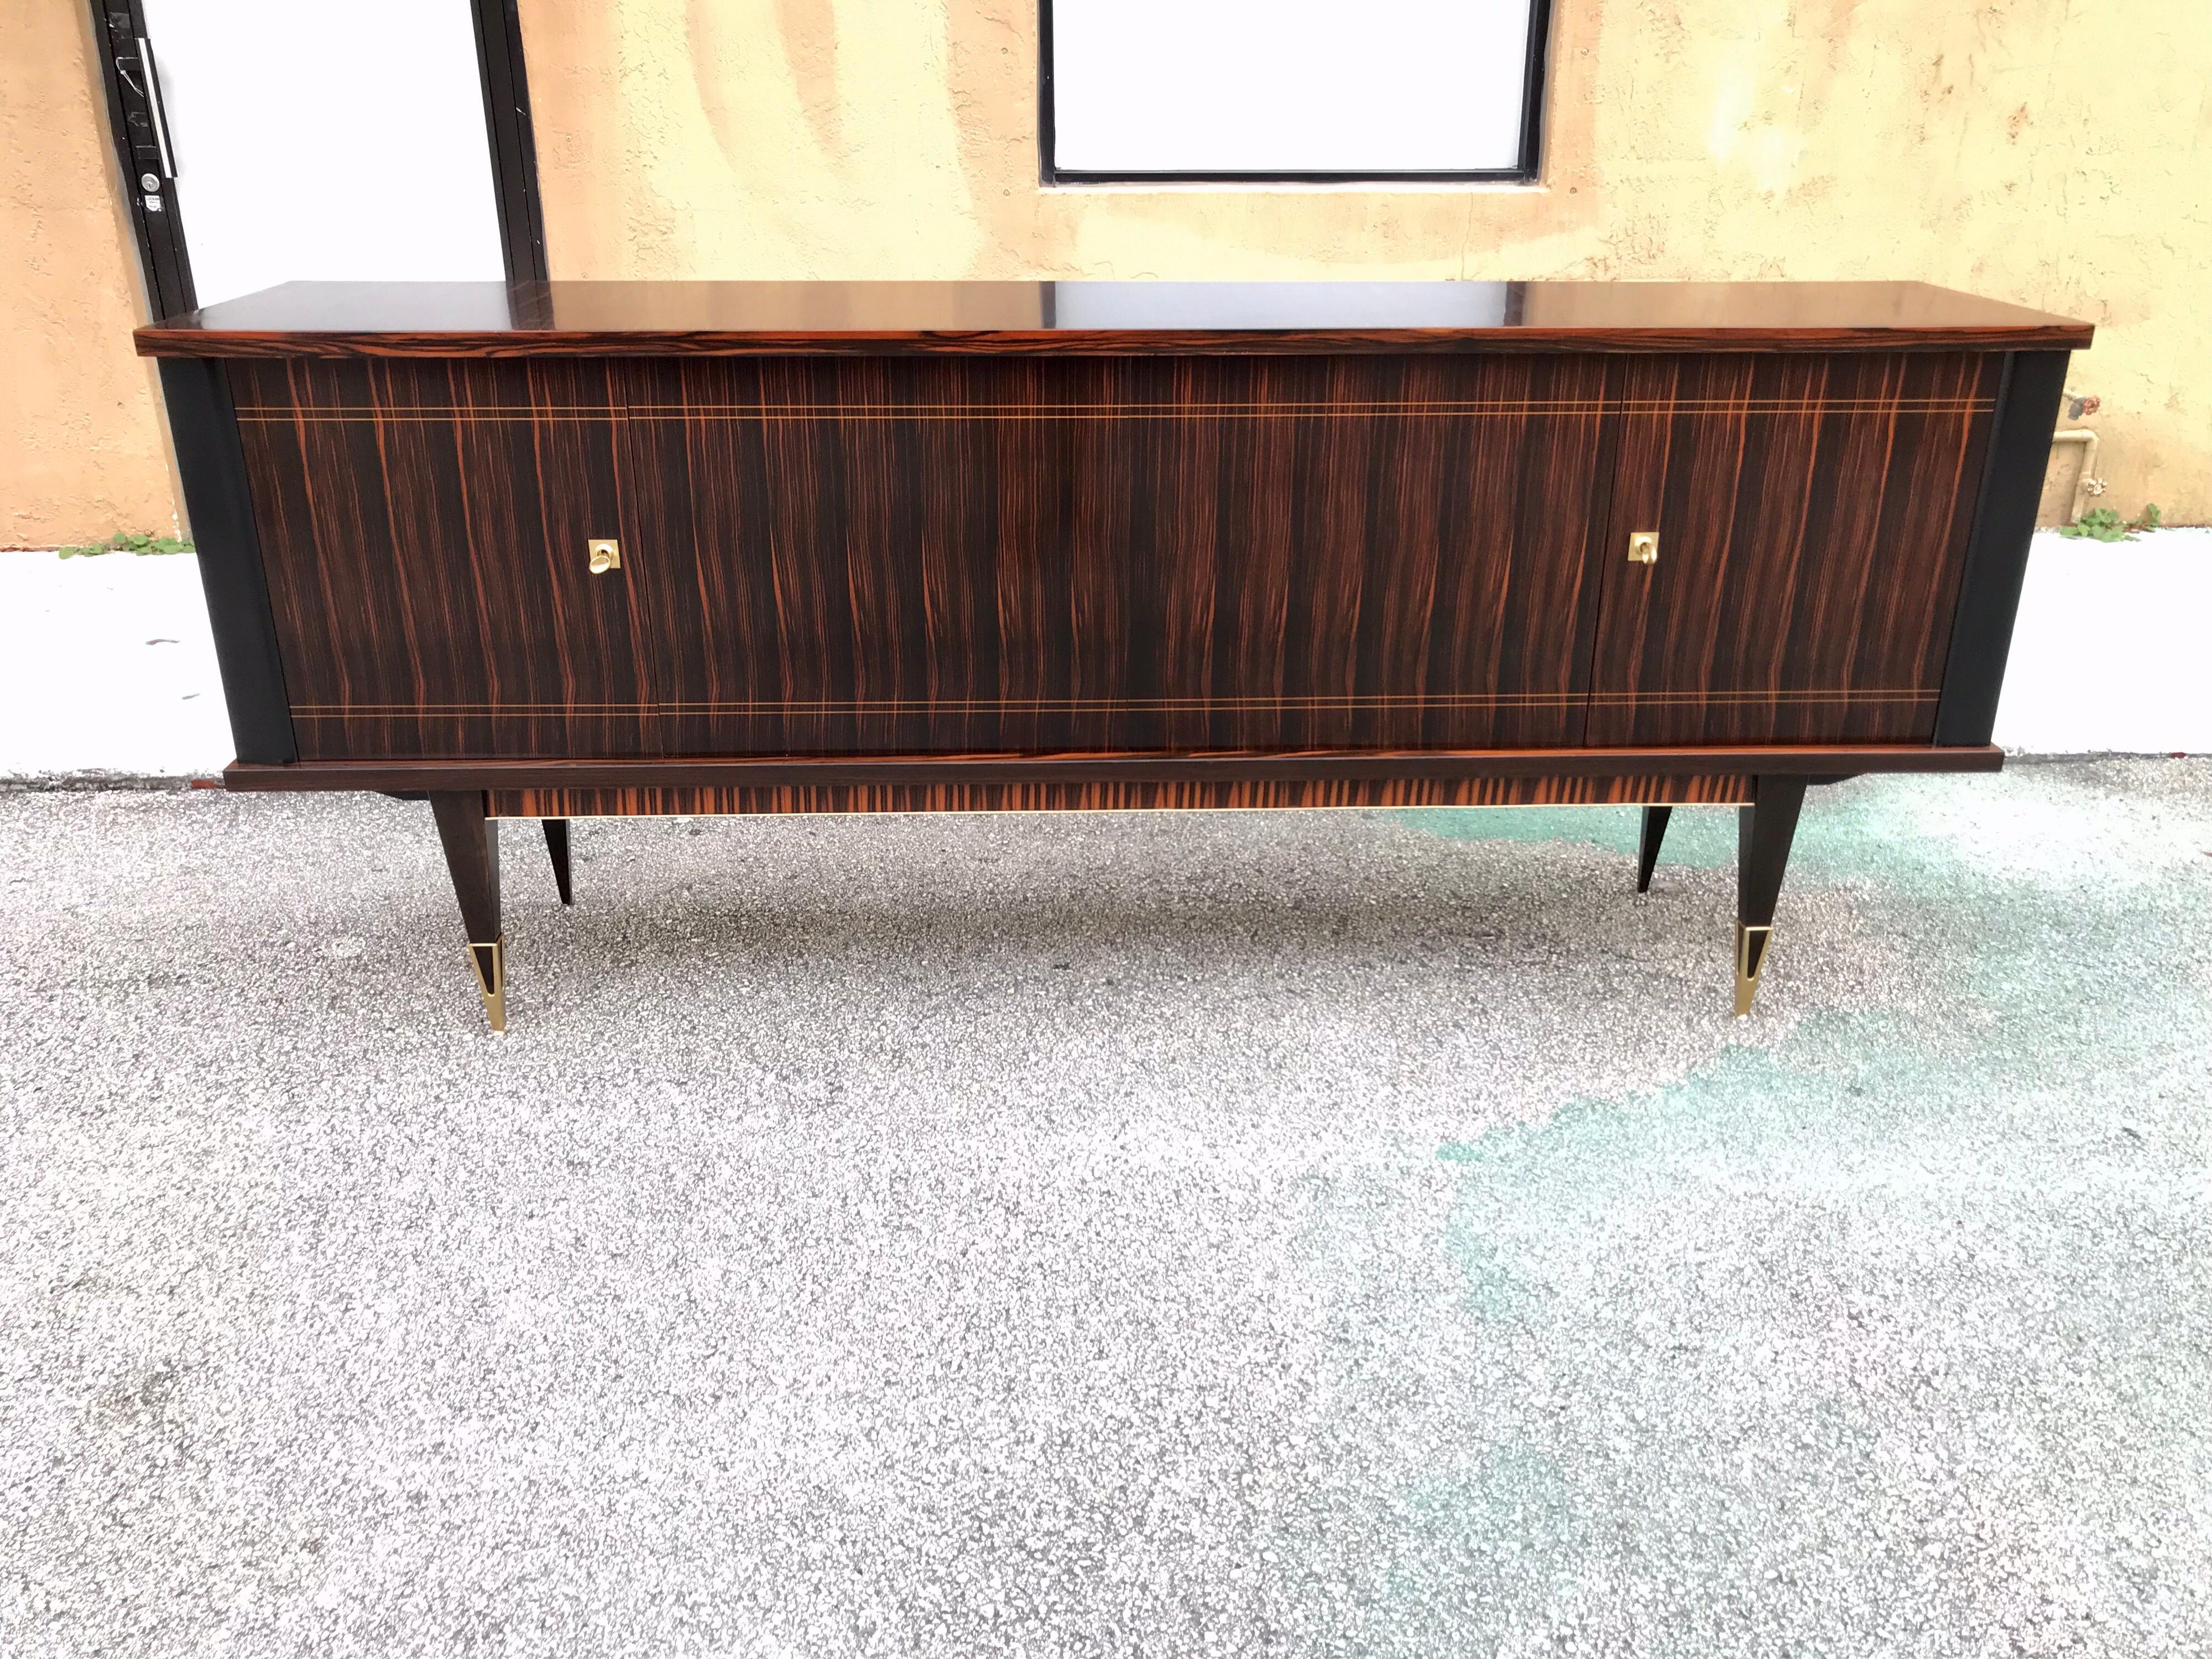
{"x":471,"y":841}
{"x":556,"y":843}
{"x":1763,"y":832}
{"x":1647,"y":848}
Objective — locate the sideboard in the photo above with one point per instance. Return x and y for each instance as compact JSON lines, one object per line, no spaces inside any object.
{"x":550,"y":550}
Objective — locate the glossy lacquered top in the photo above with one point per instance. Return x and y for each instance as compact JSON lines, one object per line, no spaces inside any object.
{"x":432,"y":319}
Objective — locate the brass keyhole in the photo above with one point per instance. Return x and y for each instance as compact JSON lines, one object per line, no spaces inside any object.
{"x":1643,"y":547}
{"x":605,"y":556}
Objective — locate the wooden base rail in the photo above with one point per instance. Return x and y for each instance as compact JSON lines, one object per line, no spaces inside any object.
{"x":403,"y":776}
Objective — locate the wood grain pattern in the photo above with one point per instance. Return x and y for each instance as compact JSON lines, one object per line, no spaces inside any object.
{"x":1813,"y":516}
{"x":1140,"y":556}
{"x":860,"y":557}
{"x":1821,"y":760}
{"x":889,"y":555}
{"x":1101,"y":795}
{"x":1050,"y":319}
{"x":427,"y":573}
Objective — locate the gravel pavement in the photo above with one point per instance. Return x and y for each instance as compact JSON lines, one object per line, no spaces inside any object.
{"x":1360,"y":1233}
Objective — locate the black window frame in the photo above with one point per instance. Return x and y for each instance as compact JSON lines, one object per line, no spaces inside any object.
{"x":1527,"y":170}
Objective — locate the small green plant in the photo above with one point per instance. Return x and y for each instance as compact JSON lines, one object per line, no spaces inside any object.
{"x":2103,"y":523}
{"x":129,"y":541}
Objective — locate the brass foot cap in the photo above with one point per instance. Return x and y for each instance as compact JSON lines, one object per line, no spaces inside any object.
{"x":490,"y":963}
{"x":1750,"y":957}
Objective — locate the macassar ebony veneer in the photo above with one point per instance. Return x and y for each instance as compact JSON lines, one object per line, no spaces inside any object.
{"x":567,"y":549}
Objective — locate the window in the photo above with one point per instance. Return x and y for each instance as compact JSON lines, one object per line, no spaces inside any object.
{"x":1294,"y":90}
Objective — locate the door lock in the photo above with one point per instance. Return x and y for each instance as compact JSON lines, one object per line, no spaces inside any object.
{"x":1643,"y":547}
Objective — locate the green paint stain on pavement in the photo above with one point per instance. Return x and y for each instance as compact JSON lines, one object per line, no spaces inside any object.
{"x":1856,"y":1311}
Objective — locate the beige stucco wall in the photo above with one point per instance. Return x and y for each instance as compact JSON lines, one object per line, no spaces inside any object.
{"x":82,"y":453}
{"x":2041,"y":151}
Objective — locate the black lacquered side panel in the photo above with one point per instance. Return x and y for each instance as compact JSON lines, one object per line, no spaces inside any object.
{"x":212,"y":466}
{"x":1996,"y":557}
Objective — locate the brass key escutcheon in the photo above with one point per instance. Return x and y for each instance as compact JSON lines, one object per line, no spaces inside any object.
{"x":605,"y":556}
{"x":1643,"y":547}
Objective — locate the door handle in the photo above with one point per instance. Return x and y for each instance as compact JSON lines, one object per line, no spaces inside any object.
{"x":1643,"y":547}
{"x":605,"y":556}
{"x":154,"y":104}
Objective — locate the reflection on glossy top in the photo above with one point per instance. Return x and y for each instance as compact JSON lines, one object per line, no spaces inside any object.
{"x":431,"y":318}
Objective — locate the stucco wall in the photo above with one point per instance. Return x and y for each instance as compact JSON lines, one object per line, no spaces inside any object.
{"x":2041,"y":151}
{"x":82,"y":450}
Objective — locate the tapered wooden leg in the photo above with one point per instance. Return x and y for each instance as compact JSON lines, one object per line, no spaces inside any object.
{"x":556,"y":843}
{"x":1647,"y":848}
{"x":472,"y":842}
{"x":1763,"y":832}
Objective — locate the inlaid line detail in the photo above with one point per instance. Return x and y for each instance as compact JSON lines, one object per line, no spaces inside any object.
{"x":1100,"y":705}
{"x":268,"y":414}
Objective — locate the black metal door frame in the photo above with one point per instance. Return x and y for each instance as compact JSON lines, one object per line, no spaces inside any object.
{"x":141,"y":136}
{"x":139,"y":131}
{"x":513,"y":144}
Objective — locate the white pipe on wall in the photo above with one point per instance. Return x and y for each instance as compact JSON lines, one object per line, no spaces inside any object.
{"x":2088,"y":440}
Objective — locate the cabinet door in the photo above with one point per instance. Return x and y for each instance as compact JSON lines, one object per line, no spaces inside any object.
{"x":1813,"y":516}
{"x":423,"y":528}
{"x":961,"y":555}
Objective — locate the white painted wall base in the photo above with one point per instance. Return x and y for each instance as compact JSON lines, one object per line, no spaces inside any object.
{"x":2112,"y":654}
{"x":84,"y":688}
